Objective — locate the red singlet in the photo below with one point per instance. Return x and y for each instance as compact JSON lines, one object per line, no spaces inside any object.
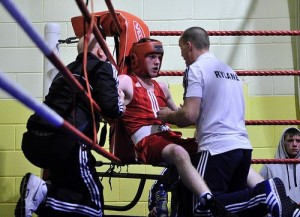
{"x":141,"y":111}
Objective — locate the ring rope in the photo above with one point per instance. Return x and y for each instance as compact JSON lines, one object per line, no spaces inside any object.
{"x":88,"y":18}
{"x":38,"y":40}
{"x":53,"y":119}
{"x":50,"y":115}
{"x":213,"y":33}
{"x":272,"y":122}
{"x":87,"y":36}
{"x":241,"y":72}
{"x":275,"y":161}
{"x":233,"y":33}
{"x":113,"y":14}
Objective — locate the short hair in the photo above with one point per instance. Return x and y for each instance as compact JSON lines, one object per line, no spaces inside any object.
{"x":291,"y":132}
{"x":197,"y":36}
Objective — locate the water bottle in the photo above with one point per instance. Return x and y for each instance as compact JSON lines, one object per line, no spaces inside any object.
{"x":162,"y":202}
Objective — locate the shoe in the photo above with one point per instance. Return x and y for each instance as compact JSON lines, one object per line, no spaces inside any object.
{"x":296,"y":208}
{"x":33,"y":192}
{"x":217,"y":209}
{"x":278,"y":203}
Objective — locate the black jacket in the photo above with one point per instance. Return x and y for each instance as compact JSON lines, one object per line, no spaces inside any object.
{"x":63,"y":98}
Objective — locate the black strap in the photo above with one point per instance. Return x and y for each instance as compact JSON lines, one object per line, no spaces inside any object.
{"x":117,"y":46}
{"x":103,"y":135}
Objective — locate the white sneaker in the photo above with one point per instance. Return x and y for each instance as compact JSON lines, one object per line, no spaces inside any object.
{"x":33,"y":192}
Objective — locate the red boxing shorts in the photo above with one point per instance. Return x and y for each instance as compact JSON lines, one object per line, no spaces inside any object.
{"x":149,"y":149}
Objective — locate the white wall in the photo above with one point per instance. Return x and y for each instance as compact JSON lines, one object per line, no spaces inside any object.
{"x":20,"y":58}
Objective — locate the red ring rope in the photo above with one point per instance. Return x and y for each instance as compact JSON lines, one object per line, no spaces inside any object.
{"x":273,"y":122}
{"x":233,"y":33}
{"x":241,"y":72}
{"x":275,"y":161}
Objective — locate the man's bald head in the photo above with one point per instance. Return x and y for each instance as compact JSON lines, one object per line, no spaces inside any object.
{"x":91,"y":45}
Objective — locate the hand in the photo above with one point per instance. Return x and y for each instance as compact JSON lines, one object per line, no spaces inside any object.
{"x":153,"y":212}
{"x":163,"y":114}
{"x":121,"y":95}
{"x":122,"y":99}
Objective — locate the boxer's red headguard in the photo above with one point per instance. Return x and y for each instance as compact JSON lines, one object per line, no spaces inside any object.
{"x":138,"y":53}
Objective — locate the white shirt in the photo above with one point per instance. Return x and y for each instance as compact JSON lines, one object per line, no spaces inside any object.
{"x":221,"y":124}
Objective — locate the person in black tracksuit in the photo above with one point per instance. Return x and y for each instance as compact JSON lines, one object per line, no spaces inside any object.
{"x":75,"y":187}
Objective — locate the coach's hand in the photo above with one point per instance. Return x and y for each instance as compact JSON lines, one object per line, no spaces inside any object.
{"x":163,"y":113}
